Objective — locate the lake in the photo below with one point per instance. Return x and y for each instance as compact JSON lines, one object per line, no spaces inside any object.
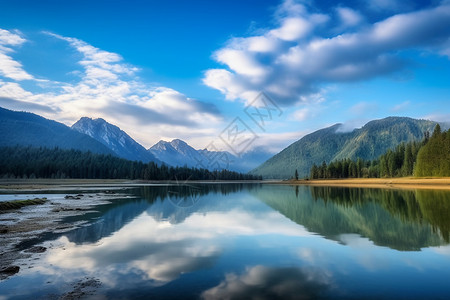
{"x":247,"y":241}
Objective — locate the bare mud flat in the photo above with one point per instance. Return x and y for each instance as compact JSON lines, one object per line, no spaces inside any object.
{"x":395,"y":183}
{"x":21,"y":228}
{"x":11,"y":185}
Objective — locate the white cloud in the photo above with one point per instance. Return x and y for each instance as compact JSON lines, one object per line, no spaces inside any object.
{"x":9,"y":67}
{"x":13,"y":90}
{"x":438,"y":117}
{"x":97,"y":61}
{"x":299,"y":56}
{"x":363,"y":108}
{"x":292,"y":29}
{"x":301,"y":114}
{"x":401,"y":107}
{"x":349,"y":17}
{"x":277,"y":141}
{"x":8,"y":38}
{"x":111,"y":89}
{"x":241,"y":62}
{"x":311,"y":106}
{"x":352,"y":124}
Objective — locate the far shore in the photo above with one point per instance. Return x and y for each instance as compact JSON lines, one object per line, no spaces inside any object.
{"x":42,"y":184}
{"x":16,"y":185}
{"x":442,"y":183}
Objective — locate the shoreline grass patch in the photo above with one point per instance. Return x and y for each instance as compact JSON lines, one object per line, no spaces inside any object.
{"x":17,"y":204}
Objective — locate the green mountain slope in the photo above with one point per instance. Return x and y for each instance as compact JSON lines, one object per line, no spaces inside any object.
{"x":329,"y":144}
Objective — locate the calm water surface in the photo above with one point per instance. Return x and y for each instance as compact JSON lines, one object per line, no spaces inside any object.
{"x":235,"y":241}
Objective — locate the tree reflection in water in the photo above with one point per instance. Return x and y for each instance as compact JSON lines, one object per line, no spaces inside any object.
{"x":400,"y":219}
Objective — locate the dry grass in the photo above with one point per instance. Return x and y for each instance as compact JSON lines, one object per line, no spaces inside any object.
{"x":399,"y":183}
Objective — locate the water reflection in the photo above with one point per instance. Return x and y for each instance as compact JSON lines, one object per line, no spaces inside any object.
{"x":402,"y":220}
{"x":262,"y":282}
{"x":162,"y":241}
{"x":152,"y":250}
{"x":253,"y":242}
{"x":113,"y":217}
{"x":429,"y":206}
{"x":171,"y":203}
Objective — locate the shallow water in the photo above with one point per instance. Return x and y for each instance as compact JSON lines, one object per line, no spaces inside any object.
{"x":243,"y":241}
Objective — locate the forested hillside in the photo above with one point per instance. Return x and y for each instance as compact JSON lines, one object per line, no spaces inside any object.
{"x":331,"y":144}
{"x":29,"y":162}
{"x":434,"y":157}
{"x":431,"y":157}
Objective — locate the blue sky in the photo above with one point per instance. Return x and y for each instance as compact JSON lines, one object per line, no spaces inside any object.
{"x":186,"y":69}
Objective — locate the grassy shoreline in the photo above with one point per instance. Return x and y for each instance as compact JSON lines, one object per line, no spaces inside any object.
{"x":396,"y":183}
{"x":17,"y":204}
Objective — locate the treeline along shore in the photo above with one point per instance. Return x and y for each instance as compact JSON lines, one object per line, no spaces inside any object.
{"x":428,"y":158}
{"x":28,"y":162}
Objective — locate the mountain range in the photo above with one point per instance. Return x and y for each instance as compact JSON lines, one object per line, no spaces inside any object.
{"x":24,"y":129}
{"x":328,"y":144}
{"x":179,"y":153}
{"x":332,"y":143}
{"x":99,"y":136}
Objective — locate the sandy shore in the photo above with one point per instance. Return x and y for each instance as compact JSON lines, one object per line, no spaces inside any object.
{"x":396,"y":183}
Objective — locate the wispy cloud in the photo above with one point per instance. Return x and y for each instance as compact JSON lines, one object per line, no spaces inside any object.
{"x":348,"y":17}
{"x":363,"y":108}
{"x":275,"y":142}
{"x":98,"y":64}
{"x":9,"y":67}
{"x":110,"y":88}
{"x":302,"y":114}
{"x":438,"y":117}
{"x":305,"y":50}
{"x":401,"y":107}
{"x":27,"y":106}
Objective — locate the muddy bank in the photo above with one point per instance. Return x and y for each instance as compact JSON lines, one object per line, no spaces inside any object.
{"x":22,"y":228}
{"x":12,"y":185}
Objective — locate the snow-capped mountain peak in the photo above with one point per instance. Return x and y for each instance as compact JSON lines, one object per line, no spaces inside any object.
{"x":179,"y":153}
{"x":114,"y":138}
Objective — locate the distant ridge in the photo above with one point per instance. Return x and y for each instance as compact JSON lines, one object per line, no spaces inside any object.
{"x":329,"y":144}
{"x":28,"y":129}
{"x":179,"y":153}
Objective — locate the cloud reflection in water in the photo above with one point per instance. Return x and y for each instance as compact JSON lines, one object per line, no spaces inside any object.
{"x":161,"y":251}
{"x":262,"y":282}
